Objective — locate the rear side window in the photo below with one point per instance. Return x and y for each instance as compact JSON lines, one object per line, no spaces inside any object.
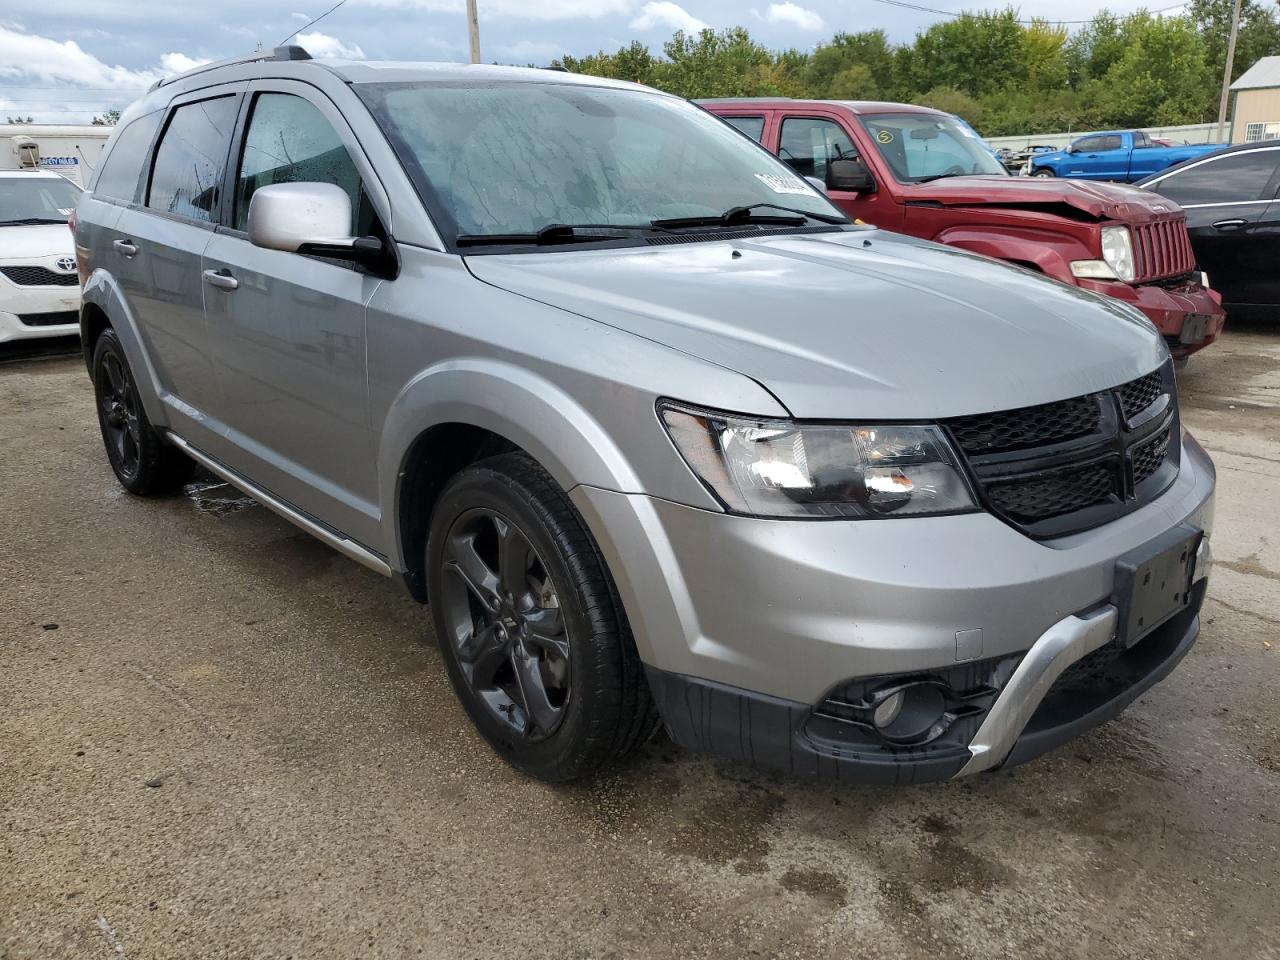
{"x":191,"y":158}
{"x":1235,"y":178}
{"x":290,"y":141}
{"x":121,"y":172}
{"x":753,"y":127}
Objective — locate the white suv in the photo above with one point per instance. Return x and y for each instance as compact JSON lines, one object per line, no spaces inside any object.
{"x":39,"y":285}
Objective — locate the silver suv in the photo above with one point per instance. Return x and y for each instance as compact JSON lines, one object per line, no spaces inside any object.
{"x":658,"y":432}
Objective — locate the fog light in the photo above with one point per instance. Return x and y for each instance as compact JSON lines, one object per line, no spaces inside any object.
{"x":888,"y":710}
{"x":910,"y":714}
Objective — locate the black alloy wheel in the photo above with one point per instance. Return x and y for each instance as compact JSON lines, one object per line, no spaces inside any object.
{"x":529,"y":622}
{"x":140,"y":457}
{"x":121,"y":428}
{"x":505,"y":622}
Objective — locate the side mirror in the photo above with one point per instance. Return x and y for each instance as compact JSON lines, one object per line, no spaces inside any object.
{"x":851,"y":175}
{"x":309,"y":218}
{"x":817,"y":185}
{"x":1071,"y":149}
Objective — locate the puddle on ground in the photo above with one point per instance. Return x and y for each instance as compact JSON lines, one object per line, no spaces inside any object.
{"x":216,"y":498}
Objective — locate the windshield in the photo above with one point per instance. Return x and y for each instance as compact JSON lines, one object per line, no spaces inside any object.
{"x":925,"y":146}
{"x":514,"y":158}
{"x":26,"y":198}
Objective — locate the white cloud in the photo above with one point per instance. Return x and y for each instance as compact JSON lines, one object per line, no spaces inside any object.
{"x":321,"y":45}
{"x":793,"y":14}
{"x":545,"y":10}
{"x":32,"y":56}
{"x":529,"y":51}
{"x":664,"y":13}
{"x":304,"y":17}
{"x":180,"y":62}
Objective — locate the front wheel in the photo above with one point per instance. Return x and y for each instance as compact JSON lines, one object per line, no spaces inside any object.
{"x":140,"y":458}
{"x":529,"y":623}
{"x":1042,"y":172}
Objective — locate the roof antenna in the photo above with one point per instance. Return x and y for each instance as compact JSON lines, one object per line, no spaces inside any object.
{"x":311,"y":23}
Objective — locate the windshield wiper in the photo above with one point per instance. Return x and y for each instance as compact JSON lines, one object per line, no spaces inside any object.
{"x":556,"y":233}
{"x":747,"y":214}
{"x":30,"y":221}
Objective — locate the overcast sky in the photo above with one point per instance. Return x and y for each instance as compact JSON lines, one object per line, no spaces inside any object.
{"x":65,"y":62}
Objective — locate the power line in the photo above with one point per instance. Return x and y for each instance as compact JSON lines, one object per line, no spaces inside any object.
{"x":311,"y":23}
{"x":1026,"y":23}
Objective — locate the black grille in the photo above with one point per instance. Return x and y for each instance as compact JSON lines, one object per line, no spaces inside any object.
{"x":48,"y":319}
{"x":1055,"y":493}
{"x":1148,"y":457}
{"x":1137,"y":395}
{"x":1059,"y":468}
{"x":1027,"y":426}
{"x":39,"y":277}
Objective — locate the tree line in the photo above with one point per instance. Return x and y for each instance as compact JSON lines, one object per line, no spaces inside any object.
{"x":1004,"y":75}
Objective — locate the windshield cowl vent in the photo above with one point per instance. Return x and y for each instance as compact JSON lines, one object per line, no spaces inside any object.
{"x":699,"y":236}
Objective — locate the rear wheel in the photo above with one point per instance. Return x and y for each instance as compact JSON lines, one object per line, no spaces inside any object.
{"x":142,"y":461}
{"x":529,"y":623}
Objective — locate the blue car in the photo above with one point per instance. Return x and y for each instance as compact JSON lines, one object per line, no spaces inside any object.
{"x":1124,"y":156}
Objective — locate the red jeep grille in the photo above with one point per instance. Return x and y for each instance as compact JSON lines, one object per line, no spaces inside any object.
{"x":1162,"y":250}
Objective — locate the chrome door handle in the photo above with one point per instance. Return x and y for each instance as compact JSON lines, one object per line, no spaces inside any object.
{"x":1229,"y":224}
{"x":221,"y":279}
{"x":125,"y":248}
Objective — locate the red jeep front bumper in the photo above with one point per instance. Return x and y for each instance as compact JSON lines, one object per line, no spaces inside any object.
{"x":1188,"y":315}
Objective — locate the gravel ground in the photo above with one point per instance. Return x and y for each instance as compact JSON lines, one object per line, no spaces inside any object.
{"x":220,"y":739}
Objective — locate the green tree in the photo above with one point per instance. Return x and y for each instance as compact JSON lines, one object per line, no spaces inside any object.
{"x":108,"y":118}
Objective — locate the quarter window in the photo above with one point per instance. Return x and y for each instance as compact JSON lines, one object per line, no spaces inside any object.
{"x":1235,"y":178}
{"x":290,"y":141}
{"x":809,"y":143}
{"x":191,"y":159}
{"x":753,"y":127}
{"x":118,"y":178}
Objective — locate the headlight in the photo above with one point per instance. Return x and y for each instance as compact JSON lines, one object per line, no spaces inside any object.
{"x":1117,"y":251}
{"x":777,"y":468}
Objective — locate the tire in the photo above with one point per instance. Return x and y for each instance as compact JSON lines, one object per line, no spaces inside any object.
{"x":530,"y":625}
{"x":141,"y":459}
{"x":1042,"y":172}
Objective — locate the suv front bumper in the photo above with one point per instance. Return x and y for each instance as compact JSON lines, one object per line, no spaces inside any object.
{"x":1174,"y":310}
{"x":747,"y":626}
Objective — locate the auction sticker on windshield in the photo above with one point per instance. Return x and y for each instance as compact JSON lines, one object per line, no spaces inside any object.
{"x":784,"y":184}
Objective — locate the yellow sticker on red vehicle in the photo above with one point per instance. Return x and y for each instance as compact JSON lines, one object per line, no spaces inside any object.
{"x":885,"y":136}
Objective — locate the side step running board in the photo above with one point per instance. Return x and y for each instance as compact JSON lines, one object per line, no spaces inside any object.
{"x":361,"y":555}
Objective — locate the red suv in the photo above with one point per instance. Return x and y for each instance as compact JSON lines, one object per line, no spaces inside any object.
{"x":926,"y":173}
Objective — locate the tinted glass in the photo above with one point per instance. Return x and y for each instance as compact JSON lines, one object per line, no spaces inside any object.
{"x":808,"y":143}
{"x":753,"y":127}
{"x":1088,"y":144}
{"x":1141,"y":141}
{"x":516,"y":157}
{"x":27,"y":198}
{"x":1236,"y":178}
{"x":1111,"y":142}
{"x":924,"y":146}
{"x":290,"y":141}
{"x":126,"y":162}
{"x":191,"y":158}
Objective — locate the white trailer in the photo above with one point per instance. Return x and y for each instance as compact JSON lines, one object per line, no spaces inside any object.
{"x":71,"y":151}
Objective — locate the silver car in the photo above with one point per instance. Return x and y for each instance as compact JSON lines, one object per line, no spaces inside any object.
{"x":657,"y":432}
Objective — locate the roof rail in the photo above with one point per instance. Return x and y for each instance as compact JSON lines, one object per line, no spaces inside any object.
{"x":289,"y":52}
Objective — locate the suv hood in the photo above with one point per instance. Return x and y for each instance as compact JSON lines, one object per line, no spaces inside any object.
{"x":35,"y":242}
{"x":1100,"y":201}
{"x":852,"y":324}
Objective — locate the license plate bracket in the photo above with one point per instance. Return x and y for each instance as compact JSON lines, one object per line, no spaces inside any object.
{"x":1195,"y":327}
{"x":1153,"y":582}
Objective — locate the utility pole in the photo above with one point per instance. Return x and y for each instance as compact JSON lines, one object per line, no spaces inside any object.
{"x":473,"y":29}
{"x":1226,"y":75}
